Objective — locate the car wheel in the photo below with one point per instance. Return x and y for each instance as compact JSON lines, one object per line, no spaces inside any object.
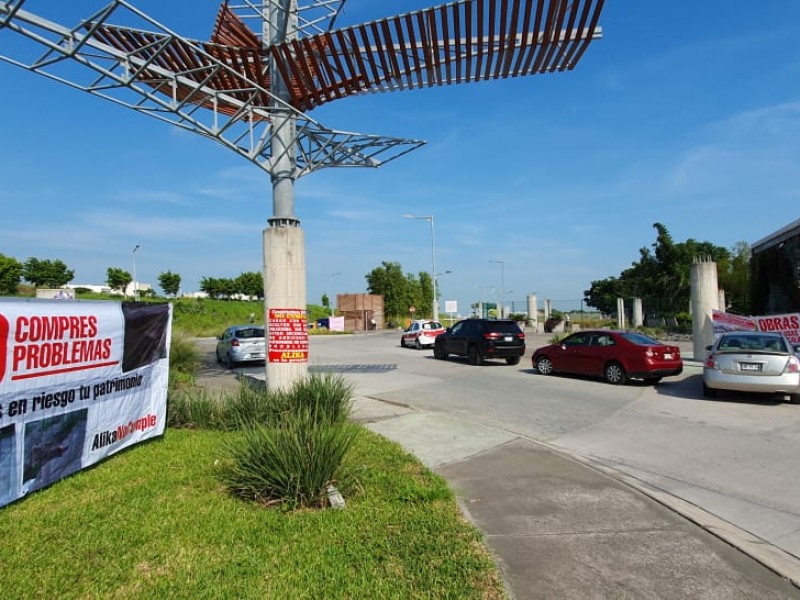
{"x":709,"y":392}
{"x":228,"y":362}
{"x":219,"y":359}
{"x":402,"y":342}
{"x":615,"y":373}
{"x":513,"y":360}
{"x":417,"y":345}
{"x":438,"y":352}
{"x":794,"y":398}
{"x":544,"y":365}
{"x":474,"y":356}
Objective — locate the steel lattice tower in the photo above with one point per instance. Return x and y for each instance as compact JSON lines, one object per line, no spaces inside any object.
{"x":267,"y":64}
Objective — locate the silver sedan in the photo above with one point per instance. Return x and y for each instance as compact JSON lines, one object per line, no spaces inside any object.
{"x":752,"y":361}
{"x":241,"y":343}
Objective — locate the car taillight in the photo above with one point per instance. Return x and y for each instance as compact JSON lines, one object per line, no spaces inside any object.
{"x":711,"y":362}
{"x":792,"y":365}
{"x":234,"y":342}
{"x":492,"y":336}
{"x":649,"y":353}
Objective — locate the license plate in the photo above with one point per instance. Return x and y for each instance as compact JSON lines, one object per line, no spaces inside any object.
{"x":258,"y":355}
{"x":750,"y":366}
{"x":508,"y":338}
{"x":667,"y":356}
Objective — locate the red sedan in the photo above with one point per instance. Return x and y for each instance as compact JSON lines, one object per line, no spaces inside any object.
{"x":615,"y":356}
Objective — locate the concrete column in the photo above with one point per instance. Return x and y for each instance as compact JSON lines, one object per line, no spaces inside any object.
{"x":533,"y":313}
{"x":620,"y":313}
{"x":638,"y":313}
{"x":285,"y":306}
{"x":285,"y":313}
{"x":546,"y":310}
{"x":721,"y":305}
{"x":704,"y":299}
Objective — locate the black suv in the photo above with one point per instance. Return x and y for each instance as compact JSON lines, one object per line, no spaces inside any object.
{"x":479,"y":339}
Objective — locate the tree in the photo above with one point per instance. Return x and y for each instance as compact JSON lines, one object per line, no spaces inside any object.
{"x":47,"y":273}
{"x":10,"y":275}
{"x":426,"y":291}
{"x":662,"y":275}
{"x":118,"y":279}
{"x":218,"y":287}
{"x":603,"y":294}
{"x":250,"y":284}
{"x":170,"y":282}
{"x":326,"y":302}
{"x":736,"y":281}
{"x":388,"y":281}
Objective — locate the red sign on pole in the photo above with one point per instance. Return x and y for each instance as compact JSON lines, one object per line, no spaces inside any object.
{"x":288,"y":335}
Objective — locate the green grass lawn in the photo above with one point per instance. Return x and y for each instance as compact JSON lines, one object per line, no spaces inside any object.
{"x":155,"y":522}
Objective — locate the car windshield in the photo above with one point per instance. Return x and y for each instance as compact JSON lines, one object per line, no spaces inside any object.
{"x":640,"y":339}
{"x":430,"y":325}
{"x":752,"y":343}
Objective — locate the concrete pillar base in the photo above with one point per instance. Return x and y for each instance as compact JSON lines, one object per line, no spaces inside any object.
{"x":285,"y":306}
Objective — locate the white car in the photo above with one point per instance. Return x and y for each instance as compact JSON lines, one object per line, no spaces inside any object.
{"x":752,"y":361}
{"x":421,"y":334}
{"x":241,"y":343}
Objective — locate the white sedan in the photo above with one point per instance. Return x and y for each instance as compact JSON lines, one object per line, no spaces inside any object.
{"x":421,"y":334}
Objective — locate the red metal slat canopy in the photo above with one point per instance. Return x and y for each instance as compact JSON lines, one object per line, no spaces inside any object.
{"x":468,"y":40}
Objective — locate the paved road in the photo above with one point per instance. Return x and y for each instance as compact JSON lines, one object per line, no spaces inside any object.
{"x":735,"y":457}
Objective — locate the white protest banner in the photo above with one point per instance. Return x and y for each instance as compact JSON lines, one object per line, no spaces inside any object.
{"x":787,"y":324}
{"x":79,"y":381}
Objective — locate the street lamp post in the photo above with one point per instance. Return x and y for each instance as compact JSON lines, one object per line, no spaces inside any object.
{"x":436,"y":287}
{"x":502,"y":286}
{"x":135,"y":286}
{"x":429,"y":219}
{"x":329,"y":300}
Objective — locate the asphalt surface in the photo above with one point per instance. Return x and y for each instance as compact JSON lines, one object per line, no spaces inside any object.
{"x":563,"y":527}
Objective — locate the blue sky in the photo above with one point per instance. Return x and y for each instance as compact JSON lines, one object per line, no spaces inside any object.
{"x":685,"y":113}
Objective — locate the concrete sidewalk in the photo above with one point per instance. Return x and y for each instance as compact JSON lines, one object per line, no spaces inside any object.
{"x":563,"y":528}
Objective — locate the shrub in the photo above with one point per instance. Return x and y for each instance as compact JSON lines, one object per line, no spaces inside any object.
{"x":290,"y":463}
{"x":194,"y":408}
{"x":551,"y":323}
{"x":183,"y":358}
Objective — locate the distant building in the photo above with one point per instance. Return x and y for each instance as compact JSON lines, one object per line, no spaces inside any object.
{"x":97,"y":289}
{"x":775,"y":272}
{"x":143,"y":288}
{"x":361,"y":312}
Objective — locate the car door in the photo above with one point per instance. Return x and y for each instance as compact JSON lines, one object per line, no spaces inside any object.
{"x":574,"y":353}
{"x":225,"y":342}
{"x":456,"y":342}
{"x":601,"y":348}
{"x":409,"y":336}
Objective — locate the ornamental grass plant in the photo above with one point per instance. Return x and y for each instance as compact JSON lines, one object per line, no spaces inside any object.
{"x":290,"y":444}
{"x":291,"y":463}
